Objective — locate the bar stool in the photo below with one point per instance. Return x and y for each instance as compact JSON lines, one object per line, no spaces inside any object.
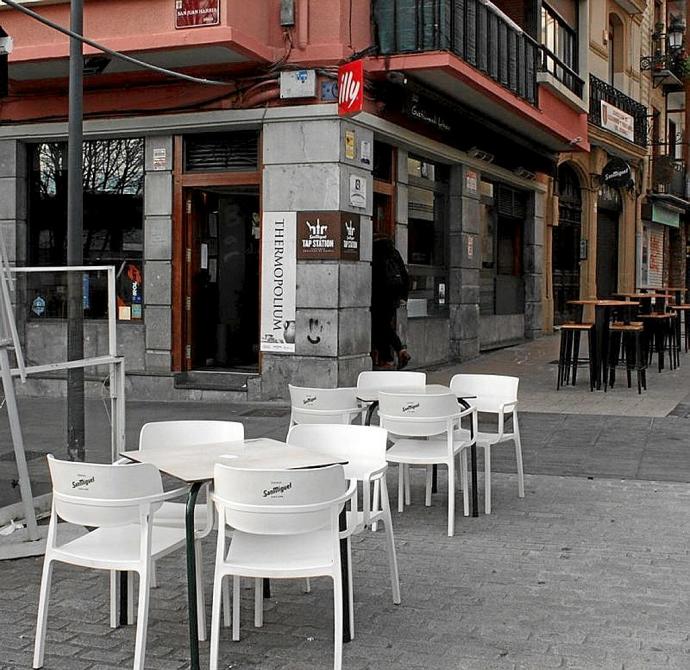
{"x":658,"y":329}
{"x":627,"y":336}
{"x":684,"y":312}
{"x":569,"y":356}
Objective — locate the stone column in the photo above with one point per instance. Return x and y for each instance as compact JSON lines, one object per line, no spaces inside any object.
{"x":465,"y":257}
{"x":534,"y":264}
{"x":158,"y":253}
{"x":307,"y":167}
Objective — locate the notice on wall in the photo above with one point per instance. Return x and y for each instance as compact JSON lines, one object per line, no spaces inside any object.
{"x":617,"y":121}
{"x":196,"y":13}
{"x":278,"y":281}
{"x":328,"y":236}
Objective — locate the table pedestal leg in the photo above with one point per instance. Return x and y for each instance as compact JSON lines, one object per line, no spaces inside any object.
{"x":191,"y":576}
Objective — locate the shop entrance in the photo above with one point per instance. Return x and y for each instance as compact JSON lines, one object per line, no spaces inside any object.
{"x":608,"y":214}
{"x":221,"y":279}
{"x":566,"y":245}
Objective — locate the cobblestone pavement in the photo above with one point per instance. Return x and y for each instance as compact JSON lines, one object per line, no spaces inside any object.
{"x":580,"y":574}
{"x":590,"y":570}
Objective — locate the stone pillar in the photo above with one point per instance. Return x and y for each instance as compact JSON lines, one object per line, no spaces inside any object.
{"x":307,"y":167}
{"x":534,"y":264}
{"x":158,"y":183}
{"x":401,"y":205}
{"x":465,"y":257}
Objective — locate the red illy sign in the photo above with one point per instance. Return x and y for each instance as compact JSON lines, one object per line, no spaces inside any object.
{"x":351,"y":88}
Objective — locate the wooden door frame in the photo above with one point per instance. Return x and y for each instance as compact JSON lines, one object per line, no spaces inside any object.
{"x":181,"y":183}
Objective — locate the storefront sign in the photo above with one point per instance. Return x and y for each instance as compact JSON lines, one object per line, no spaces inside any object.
{"x":278,"y":282}
{"x":328,"y":236}
{"x":617,"y":121}
{"x":616,"y":174}
{"x":351,"y":88}
{"x":160,"y":158}
{"x":196,"y":13}
{"x":427,"y":113}
{"x":471,"y":181}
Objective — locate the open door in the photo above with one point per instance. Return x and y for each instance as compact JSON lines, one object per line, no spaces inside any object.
{"x":221,"y":283}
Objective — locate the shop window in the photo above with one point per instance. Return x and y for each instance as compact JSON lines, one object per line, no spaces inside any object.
{"x":427,"y":233}
{"x":384,"y":189}
{"x":113,"y":179}
{"x":615,"y":48}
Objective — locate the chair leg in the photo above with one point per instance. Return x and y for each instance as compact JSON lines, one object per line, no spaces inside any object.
{"x":401,"y":486}
{"x":451,"y":497}
{"x":130,"y":598}
{"x":576,"y":355}
{"x":154,"y":578}
{"x":390,"y":545}
{"x":487,"y":480}
{"x":200,"y":600}
{"x":258,"y":602}
{"x":427,"y":493}
{"x":350,"y":590}
{"x":227,"y":609}
{"x":142,"y":617}
{"x":43,"y":600}
{"x":408,"y":496}
{"x":235,"y":608}
{"x":376,"y":502}
{"x":114,"y":597}
{"x":337,"y":621}
{"x":518,"y":458}
{"x":463,"y":479}
{"x":307,"y":585}
{"x":561,"y":361}
{"x":218,"y":597}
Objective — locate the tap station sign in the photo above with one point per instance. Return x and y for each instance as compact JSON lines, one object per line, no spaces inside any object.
{"x":328,"y":236}
{"x":351,"y":88}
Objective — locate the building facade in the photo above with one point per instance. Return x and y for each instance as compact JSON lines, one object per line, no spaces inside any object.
{"x":214,"y":202}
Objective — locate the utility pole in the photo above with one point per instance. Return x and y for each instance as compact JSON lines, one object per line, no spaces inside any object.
{"x":75,"y":245}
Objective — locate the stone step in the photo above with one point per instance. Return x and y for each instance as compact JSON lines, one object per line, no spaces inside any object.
{"x":213,"y":380}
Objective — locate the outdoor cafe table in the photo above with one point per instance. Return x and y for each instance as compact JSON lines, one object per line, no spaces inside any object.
{"x":371,"y":396}
{"x":194,"y":465}
{"x":602,"y":313}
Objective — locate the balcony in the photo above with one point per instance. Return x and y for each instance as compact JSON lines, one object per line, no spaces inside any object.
{"x":473,"y":31}
{"x":551,"y":64}
{"x":612,"y":110}
{"x":668,"y":175}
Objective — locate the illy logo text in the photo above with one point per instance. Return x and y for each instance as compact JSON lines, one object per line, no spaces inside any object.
{"x":348,"y":90}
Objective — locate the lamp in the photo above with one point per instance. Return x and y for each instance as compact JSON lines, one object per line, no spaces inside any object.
{"x":668,"y":62}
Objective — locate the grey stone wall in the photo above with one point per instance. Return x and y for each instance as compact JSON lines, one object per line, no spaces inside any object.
{"x":158,"y":203}
{"x":306,"y":169}
{"x":465,"y":258}
{"x":534,"y":264}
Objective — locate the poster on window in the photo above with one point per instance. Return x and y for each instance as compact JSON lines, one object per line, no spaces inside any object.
{"x":196,"y":13}
{"x":278,"y":281}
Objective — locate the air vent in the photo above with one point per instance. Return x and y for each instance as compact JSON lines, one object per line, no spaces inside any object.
{"x":511,"y":202}
{"x":222,"y":152}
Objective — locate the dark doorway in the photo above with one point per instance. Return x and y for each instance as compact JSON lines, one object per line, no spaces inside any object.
{"x":609,"y":207}
{"x":222,"y":307}
{"x":565,"y":244}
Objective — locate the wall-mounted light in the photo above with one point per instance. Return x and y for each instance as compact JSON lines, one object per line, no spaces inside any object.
{"x":481,"y":155}
{"x":525,"y":173}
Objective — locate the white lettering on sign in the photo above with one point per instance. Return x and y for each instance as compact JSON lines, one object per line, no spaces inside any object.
{"x":348,"y":90}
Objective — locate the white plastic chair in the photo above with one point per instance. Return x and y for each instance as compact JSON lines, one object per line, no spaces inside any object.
{"x":496,"y":394}
{"x":120,"y":503}
{"x":370,"y":382}
{"x":174,"y":434}
{"x":317,"y":405}
{"x":364,"y":449}
{"x":285,"y":527}
{"x":409,"y":419}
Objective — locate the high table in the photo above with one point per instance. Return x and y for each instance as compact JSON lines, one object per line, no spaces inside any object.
{"x":194,"y":465}
{"x":371,"y":396}
{"x":602,"y":314}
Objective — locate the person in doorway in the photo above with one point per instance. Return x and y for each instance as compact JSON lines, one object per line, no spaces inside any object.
{"x":389,"y":289}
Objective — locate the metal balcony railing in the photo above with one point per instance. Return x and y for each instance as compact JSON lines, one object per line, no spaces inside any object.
{"x":668,"y":175}
{"x":468,"y":28}
{"x":599,"y":90}
{"x":566,"y":75}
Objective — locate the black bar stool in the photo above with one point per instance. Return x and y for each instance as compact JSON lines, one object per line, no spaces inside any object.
{"x":626,"y":339}
{"x":569,"y":357}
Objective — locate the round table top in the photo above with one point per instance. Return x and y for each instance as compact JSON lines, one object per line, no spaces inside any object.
{"x":644,"y":296}
{"x":604,"y":303}
{"x":663,"y":288}
{"x":679,"y":306}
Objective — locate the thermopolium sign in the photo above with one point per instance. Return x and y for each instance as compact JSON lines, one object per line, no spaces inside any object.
{"x":278,"y":282}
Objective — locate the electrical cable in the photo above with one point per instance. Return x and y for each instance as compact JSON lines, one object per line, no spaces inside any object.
{"x":112,"y":52}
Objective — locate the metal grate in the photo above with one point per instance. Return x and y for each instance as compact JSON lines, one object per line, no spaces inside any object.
{"x":222,"y":151}
{"x":267,"y":411}
{"x":30,"y":455}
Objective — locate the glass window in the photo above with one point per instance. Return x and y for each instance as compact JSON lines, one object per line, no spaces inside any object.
{"x":113,"y":181}
{"x":427,"y":232}
{"x":558,"y":37}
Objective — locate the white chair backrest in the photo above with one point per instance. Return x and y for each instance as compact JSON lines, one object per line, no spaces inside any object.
{"x":317,"y":405}
{"x":186,"y":433}
{"x":88,"y":483}
{"x":363,"y":447}
{"x":492,"y":391}
{"x":417,"y":414}
{"x":390,"y":380}
{"x":278,"y":502}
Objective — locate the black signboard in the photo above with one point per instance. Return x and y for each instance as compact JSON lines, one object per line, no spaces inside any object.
{"x":617,"y":173}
